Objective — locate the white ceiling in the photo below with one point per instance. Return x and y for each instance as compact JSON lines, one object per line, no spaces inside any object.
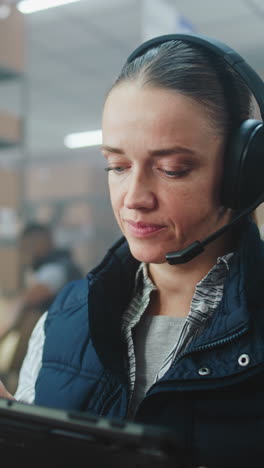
{"x":74,"y":52}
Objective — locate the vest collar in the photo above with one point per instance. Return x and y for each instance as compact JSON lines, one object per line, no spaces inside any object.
{"x":111,"y":287}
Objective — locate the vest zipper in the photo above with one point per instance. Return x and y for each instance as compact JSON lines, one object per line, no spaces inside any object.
{"x":198,"y":349}
{"x":210,"y":346}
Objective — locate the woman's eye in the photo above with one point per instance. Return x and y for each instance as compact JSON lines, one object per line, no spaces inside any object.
{"x":116,"y":170}
{"x":178,"y":173}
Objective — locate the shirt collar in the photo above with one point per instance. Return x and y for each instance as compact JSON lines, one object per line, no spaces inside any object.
{"x":215,"y":276}
{"x":218,"y":272}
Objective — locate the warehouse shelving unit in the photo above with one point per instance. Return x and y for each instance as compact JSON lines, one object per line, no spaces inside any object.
{"x":12,"y":138}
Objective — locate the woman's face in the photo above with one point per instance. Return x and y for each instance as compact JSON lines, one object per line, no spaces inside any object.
{"x":165,"y":164}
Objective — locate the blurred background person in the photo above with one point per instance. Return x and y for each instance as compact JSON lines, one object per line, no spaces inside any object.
{"x":45,"y":267}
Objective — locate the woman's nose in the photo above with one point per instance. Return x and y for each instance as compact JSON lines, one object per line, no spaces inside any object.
{"x":139,"y":194}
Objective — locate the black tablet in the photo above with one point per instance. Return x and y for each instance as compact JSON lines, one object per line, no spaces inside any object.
{"x":28,"y":431}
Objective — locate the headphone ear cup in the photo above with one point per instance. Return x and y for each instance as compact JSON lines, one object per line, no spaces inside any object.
{"x":244,"y":166}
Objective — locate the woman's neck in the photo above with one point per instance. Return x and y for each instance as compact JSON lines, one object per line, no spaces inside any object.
{"x":176,"y":283}
{"x":171,"y":277}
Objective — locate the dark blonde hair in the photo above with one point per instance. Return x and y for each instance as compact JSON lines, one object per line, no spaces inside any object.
{"x":198,"y":73}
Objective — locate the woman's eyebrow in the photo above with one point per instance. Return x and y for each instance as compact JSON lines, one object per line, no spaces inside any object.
{"x":156,"y":152}
{"x":111,"y":149}
{"x":171,"y":151}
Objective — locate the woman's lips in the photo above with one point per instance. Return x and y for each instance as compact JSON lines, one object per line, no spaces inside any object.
{"x":141,"y":229}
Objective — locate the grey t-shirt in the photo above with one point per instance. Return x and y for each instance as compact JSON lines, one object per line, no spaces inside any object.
{"x":154,"y":337}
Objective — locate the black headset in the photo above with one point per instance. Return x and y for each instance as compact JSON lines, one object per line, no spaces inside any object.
{"x":243,"y":179}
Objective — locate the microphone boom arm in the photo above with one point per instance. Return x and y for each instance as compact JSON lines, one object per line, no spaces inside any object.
{"x":197,"y":247}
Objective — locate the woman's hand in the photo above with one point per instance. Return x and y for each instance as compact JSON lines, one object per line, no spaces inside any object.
{"x":4,"y":393}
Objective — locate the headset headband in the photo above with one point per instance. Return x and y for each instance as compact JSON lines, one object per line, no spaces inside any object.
{"x":230,"y":56}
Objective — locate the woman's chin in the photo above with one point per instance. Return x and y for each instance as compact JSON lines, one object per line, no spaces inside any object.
{"x":148,"y":256}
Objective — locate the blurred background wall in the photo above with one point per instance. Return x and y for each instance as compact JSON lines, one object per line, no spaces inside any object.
{"x":56,"y":66}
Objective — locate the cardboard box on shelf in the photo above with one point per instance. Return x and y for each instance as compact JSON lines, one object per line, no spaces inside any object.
{"x":9,"y":270}
{"x":10,"y":130}
{"x":10,"y":181}
{"x":12,"y":40}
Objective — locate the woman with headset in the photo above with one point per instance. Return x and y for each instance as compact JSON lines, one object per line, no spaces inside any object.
{"x":160,"y":332}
